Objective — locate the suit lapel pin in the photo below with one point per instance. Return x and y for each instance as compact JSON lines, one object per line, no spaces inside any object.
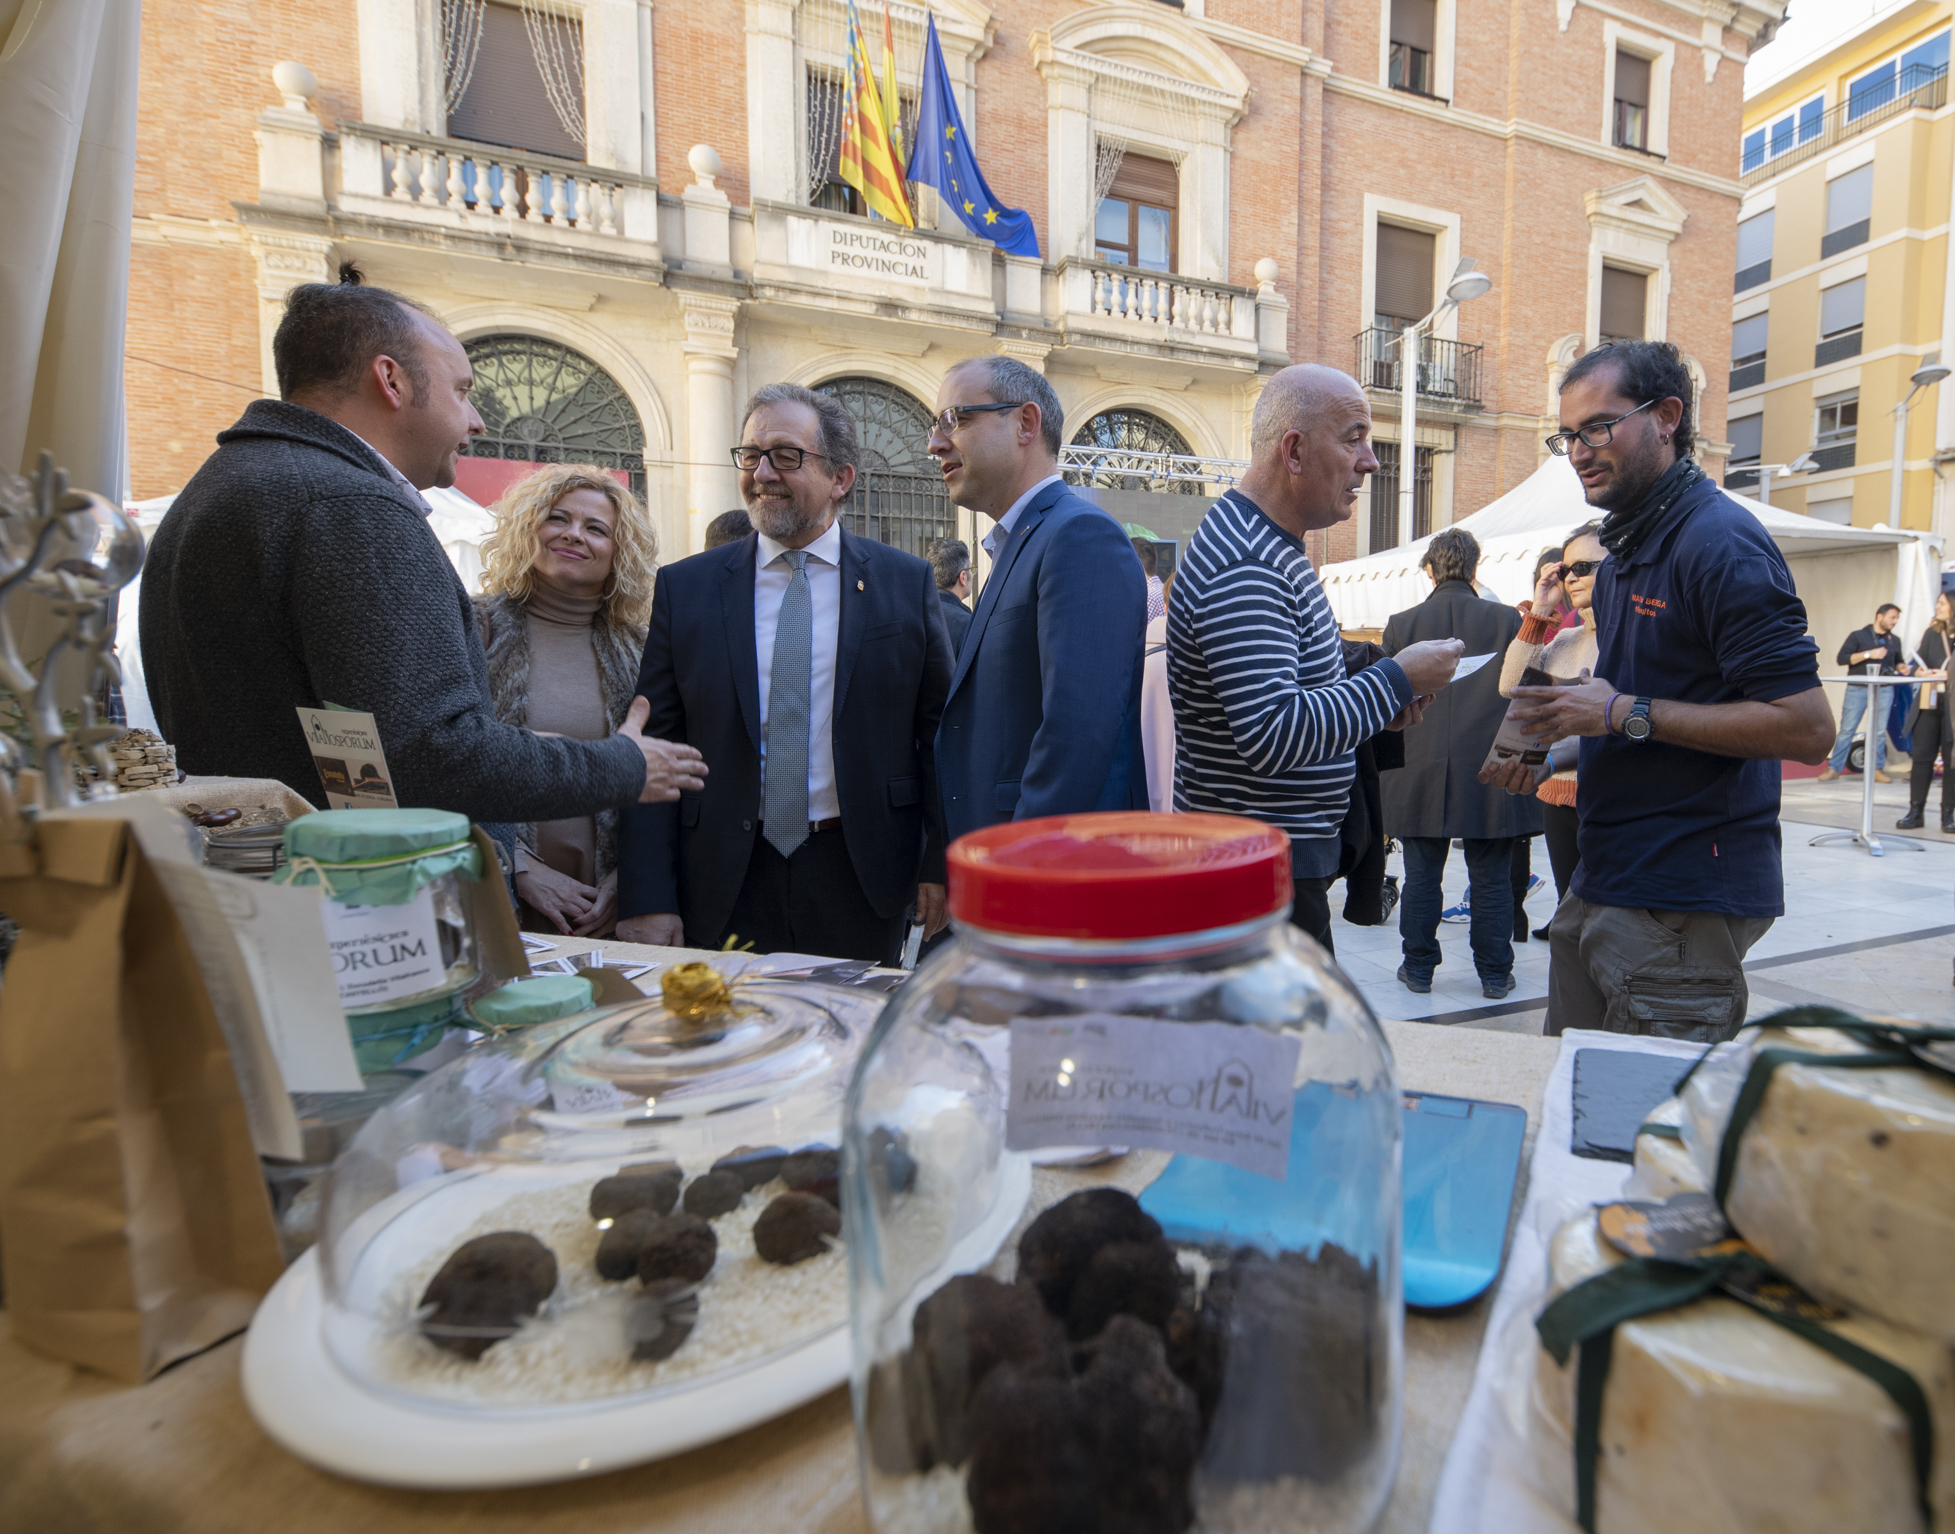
{"x":858,"y":585}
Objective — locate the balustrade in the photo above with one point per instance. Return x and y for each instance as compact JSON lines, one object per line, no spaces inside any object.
{"x":480,"y":180}
{"x":1147,"y":298}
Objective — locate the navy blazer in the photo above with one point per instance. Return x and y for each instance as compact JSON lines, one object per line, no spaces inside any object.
{"x":702,"y":679}
{"x":1043,"y":716}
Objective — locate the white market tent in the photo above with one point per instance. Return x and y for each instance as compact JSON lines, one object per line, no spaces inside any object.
{"x":1843,"y":573}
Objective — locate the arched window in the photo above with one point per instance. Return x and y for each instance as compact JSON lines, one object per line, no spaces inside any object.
{"x":899,"y":495}
{"x":1113,"y":438}
{"x":544,"y":403}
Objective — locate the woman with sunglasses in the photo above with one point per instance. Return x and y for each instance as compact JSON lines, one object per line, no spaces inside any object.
{"x":1566,"y":584}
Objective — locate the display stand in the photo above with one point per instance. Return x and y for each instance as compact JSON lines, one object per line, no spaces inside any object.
{"x":1876,"y":722}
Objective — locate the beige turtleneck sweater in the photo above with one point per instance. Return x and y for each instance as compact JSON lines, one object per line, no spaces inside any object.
{"x":566,"y":697}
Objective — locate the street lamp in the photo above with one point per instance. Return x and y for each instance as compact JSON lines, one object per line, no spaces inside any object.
{"x":1922,"y":377}
{"x":1466,"y":284}
{"x":1805,"y":463}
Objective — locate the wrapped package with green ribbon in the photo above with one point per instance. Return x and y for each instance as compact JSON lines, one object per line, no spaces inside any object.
{"x":1829,"y":1142}
{"x":524,"y":1003}
{"x":1703,"y":1393}
{"x":397,"y":925}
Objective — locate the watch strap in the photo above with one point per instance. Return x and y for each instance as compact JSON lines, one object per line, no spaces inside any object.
{"x":1639,"y":710}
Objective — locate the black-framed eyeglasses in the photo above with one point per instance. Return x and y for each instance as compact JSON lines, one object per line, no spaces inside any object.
{"x":784,"y":459}
{"x":1596,"y":434}
{"x":953,"y":418}
{"x":1581,"y":569}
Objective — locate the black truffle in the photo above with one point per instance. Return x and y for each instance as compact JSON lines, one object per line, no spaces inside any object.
{"x":1197,"y":1343}
{"x":618,"y":1247}
{"x":1137,"y":1278}
{"x":1059,"y":1245}
{"x":661,"y":1318}
{"x":652,"y":1185}
{"x":752,"y":1164}
{"x":817,"y":1170}
{"x":969,"y":1327}
{"x":714,"y":1194}
{"x":1031,"y":1457}
{"x":485,"y":1290}
{"x":680,"y":1246}
{"x":1146,"y":1432}
{"x":890,"y":1161}
{"x":792,"y":1227}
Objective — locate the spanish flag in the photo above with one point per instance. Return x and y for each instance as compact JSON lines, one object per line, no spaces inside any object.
{"x":868,"y":161}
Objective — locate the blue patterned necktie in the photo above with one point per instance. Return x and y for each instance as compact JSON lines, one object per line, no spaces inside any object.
{"x":785,"y":798}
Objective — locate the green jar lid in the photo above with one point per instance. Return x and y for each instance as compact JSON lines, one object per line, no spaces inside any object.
{"x":540,"y":999}
{"x":352,"y":836}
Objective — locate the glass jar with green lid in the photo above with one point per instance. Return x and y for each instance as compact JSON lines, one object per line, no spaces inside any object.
{"x":402,"y":945}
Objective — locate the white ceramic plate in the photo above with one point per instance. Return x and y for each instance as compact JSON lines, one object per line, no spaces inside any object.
{"x":309,"y":1405}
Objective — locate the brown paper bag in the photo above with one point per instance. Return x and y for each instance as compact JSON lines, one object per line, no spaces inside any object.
{"x":135,"y":1228}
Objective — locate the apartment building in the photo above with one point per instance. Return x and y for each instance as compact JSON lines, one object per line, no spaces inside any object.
{"x":632,"y":215}
{"x":1844,"y":291}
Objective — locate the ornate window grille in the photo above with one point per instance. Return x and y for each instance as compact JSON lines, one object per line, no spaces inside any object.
{"x":899,"y":496}
{"x":1133,"y":450}
{"x":544,"y":403}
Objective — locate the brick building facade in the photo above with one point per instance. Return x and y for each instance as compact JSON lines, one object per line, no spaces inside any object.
{"x":1323,"y":175}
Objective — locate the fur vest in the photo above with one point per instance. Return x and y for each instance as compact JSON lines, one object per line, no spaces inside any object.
{"x":619,"y":647}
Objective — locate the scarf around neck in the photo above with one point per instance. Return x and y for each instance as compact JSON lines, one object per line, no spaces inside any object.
{"x":1625,"y":531}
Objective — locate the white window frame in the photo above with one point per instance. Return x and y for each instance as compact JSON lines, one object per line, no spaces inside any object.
{"x":1837,"y":397}
{"x":1894,"y":58}
{"x":1662,"y":55}
{"x":401,"y":79}
{"x":1445,"y":20}
{"x":1444,"y":225}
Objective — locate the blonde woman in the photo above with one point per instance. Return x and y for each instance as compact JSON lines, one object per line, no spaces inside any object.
{"x":566,"y":592}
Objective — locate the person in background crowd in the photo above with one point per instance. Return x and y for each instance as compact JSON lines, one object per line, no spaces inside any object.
{"x":1157,"y":709}
{"x":1705,"y":682}
{"x":811,"y":665}
{"x":1437,"y":795}
{"x":1043,"y":716}
{"x":1150,"y":566}
{"x":1871,"y":651}
{"x":728,"y":527}
{"x":1266,"y":721}
{"x":1931,"y":724}
{"x":297,"y":568}
{"x":566,"y":588}
{"x":951,"y":559}
{"x":1565,"y":585}
{"x":1370,"y":894}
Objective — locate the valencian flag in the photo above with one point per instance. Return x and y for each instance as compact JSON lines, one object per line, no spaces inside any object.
{"x":868,"y":163}
{"x":942,"y":158}
{"x":892,"y":104}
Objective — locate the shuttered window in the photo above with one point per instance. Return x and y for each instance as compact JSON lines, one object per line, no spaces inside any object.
{"x":505,"y":102}
{"x":1404,"y":278}
{"x":1849,"y":199}
{"x":1137,"y":223}
{"x":1624,"y":302}
{"x":1747,"y":440}
{"x":1755,"y":239}
{"x":1413,"y":25}
{"x":1748,"y":339}
{"x":1632,"y":100}
{"x":1843,"y":308}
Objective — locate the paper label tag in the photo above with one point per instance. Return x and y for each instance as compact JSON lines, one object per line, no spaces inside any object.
{"x":1216,"y":1090}
{"x":382,"y":953}
{"x":587,"y":1097}
{"x":346,"y":749}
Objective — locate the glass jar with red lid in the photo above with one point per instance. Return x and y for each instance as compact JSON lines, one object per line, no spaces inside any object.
{"x":1122,"y":1200}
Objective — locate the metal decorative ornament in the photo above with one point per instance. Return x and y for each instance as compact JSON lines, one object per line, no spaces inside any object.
{"x":74,"y":550}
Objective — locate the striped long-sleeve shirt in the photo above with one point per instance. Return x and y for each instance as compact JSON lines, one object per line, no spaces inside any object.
{"x":1266,"y":723}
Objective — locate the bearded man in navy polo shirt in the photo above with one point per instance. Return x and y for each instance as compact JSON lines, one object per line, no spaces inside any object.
{"x":1705,"y":681}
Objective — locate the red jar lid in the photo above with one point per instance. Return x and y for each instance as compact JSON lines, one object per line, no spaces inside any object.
{"x":1123,"y":874}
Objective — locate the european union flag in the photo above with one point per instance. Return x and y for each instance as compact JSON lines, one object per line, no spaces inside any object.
{"x":941,"y":157}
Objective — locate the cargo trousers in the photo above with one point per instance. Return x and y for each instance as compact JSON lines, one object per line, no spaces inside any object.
{"x":1665,"y":974}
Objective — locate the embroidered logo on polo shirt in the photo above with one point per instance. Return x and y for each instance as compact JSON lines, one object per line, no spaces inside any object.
{"x":1647,"y":607}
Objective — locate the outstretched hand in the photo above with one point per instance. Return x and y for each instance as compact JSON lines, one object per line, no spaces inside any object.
{"x":670,"y":768}
{"x":1550,"y":714}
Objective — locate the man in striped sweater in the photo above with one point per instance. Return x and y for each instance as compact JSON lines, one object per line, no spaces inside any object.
{"x":1266,"y":722}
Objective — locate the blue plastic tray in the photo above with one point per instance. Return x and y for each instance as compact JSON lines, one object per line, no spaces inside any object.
{"x":1460,"y":1160}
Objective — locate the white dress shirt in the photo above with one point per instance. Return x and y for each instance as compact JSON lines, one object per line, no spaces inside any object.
{"x":771,"y":574}
{"x":995,"y":539}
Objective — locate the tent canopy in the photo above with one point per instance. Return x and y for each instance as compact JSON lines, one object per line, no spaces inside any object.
{"x":1539,"y":513}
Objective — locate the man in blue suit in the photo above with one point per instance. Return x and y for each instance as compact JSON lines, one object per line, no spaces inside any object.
{"x":1043,"y":716}
{"x":809,"y":666}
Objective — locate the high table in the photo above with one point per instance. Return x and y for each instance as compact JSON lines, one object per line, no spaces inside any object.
{"x":79,"y":1453}
{"x":1876,"y":717}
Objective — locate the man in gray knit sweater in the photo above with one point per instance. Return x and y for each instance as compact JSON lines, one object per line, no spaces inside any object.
{"x":297,"y":568}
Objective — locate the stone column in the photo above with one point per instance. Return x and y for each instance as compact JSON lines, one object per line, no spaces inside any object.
{"x":712,"y":483}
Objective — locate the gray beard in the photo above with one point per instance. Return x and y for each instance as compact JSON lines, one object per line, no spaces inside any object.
{"x":778,"y":517}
